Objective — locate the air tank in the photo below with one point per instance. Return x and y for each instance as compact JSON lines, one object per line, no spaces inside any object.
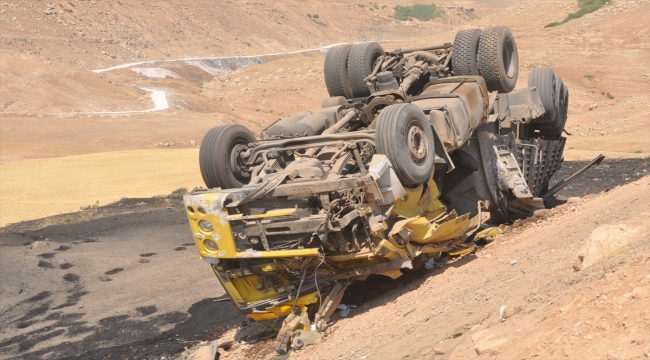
{"x":311,"y":125}
{"x":284,"y":128}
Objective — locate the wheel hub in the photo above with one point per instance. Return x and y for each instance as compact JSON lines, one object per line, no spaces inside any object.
{"x":417,"y":143}
{"x":235,"y":162}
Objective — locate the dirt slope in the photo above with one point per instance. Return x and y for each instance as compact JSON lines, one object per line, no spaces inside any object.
{"x":93,"y":34}
{"x":603,"y":58}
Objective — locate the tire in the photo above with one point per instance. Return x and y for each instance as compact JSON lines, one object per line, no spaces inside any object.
{"x":218,"y":156}
{"x":561,"y":109}
{"x":544,"y":80}
{"x":412,"y":159}
{"x":498,"y":60}
{"x":336,"y":71}
{"x":464,"y":60}
{"x":360,"y":65}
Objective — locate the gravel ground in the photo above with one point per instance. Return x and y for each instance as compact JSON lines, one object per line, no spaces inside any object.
{"x":606,"y":176}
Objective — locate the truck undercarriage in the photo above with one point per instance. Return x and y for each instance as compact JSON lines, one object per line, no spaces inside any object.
{"x":416,"y":153}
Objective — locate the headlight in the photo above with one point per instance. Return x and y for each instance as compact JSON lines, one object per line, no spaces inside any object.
{"x":210,"y":245}
{"x":205,"y":226}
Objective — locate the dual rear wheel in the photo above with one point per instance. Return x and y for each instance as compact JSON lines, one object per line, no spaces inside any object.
{"x":491,"y":53}
{"x":555,"y":99}
{"x":347,"y":66}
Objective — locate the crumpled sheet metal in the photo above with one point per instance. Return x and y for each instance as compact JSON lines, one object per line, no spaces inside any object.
{"x":420,"y":231}
{"x":490,"y":232}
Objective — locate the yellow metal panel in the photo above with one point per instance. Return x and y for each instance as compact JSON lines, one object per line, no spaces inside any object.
{"x":489,"y":232}
{"x":430,"y":202}
{"x":212,"y":211}
{"x":285,"y":308}
{"x":421,"y":231}
{"x":393,"y":274}
{"x":408,"y":206}
{"x":448,"y":230}
{"x":390,"y":250}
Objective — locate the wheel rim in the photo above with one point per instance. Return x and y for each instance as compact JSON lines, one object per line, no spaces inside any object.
{"x":239,"y":170}
{"x":418,"y":144}
{"x":508,"y":61}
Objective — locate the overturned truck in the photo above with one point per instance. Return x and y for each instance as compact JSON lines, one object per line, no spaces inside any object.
{"x":416,"y":153}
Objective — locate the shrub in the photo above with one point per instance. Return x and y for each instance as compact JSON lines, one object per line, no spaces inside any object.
{"x":589,"y":77}
{"x":422,"y":12}
{"x":584,"y":3}
{"x":586,"y":7}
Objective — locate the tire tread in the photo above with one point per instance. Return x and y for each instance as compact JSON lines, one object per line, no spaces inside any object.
{"x":335,"y":71}
{"x":464,"y":52}
{"x":357,"y":71}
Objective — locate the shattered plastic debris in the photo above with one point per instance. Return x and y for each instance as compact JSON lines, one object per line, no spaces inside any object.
{"x":345,"y":309}
{"x":429,"y":264}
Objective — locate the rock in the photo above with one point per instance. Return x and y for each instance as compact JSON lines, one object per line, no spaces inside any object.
{"x":208,"y":352}
{"x":439,"y":351}
{"x":192,"y":142}
{"x":577,"y":264}
{"x":593,"y":106}
{"x":603,"y":242}
{"x":487,"y":342}
{"x":38,"y":244}
{"x":541,"y":212}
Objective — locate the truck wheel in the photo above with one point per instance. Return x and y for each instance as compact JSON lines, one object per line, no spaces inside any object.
{"x":360,"y":64}
{"x":404,"y":135}
{"x":498,"y":60}
{"x":336,"y":71}
{"x":553,"y":131}
{"x":544,"y":80}
{"x":464,"y":60}
{"x":219,"y":156}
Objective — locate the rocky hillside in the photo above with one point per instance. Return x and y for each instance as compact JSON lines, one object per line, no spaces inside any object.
{"x":88,"y":33}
